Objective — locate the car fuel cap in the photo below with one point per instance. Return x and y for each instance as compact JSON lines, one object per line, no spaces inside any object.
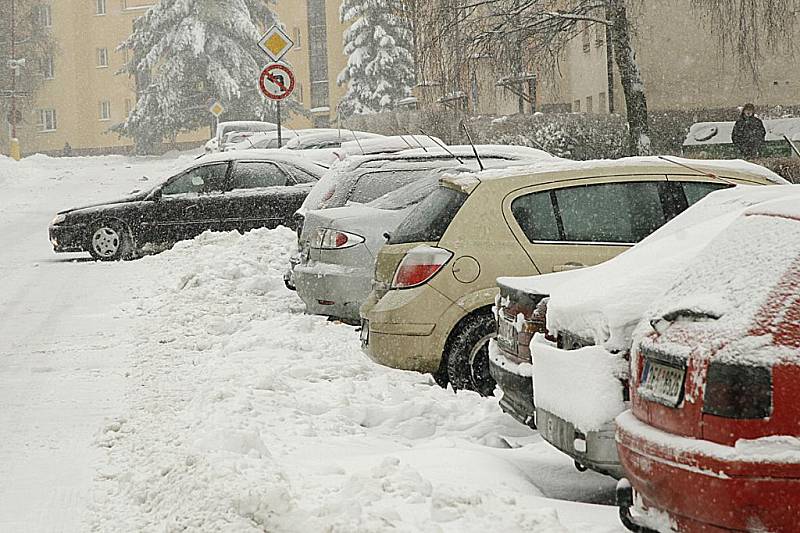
{"x":466,"y":269}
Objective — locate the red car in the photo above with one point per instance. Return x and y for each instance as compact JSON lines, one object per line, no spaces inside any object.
{"x":712,"y":441}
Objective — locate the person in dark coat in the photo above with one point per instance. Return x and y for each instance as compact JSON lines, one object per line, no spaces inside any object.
{"x":749,"y":133}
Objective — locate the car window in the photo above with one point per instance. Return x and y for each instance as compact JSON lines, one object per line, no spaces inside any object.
{"x":613,"y":212}
{"x":428,"y":221}
{"x":200,"y":180}
{"x":253,"y":175}
{"x":301,"y":176}
{"x":697,"y":190}
{"x":373,"y":185}
{"x":536,"y":215}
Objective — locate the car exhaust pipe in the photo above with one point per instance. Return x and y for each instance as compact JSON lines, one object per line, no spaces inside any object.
{"x":625,"y":502}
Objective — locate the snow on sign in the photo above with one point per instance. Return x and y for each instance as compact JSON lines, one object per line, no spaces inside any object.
{"x":275,"y":43}
{"x":216,"y":108}
{"x":276,"y":81}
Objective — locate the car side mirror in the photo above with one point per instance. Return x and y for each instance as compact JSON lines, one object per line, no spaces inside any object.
{"x":155,"y":195}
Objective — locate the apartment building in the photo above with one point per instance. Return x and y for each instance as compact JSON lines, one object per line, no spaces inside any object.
{"x":82,"y":95}
{"x":683,"y":66}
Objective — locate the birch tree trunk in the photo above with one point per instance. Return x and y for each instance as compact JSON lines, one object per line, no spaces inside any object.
{"x":631,"y":78}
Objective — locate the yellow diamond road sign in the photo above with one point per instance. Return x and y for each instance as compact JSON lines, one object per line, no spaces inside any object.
{"x":275,"y":43}
{"x":216,"y":109}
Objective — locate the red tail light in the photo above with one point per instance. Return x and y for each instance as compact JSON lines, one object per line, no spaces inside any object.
{"x":331,"y":239}
{"x":419,"y":265}
{"x":738,"y":391}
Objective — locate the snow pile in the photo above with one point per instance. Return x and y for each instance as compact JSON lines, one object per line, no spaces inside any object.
{"x":582,"y":386}
{"x":246,"y":415}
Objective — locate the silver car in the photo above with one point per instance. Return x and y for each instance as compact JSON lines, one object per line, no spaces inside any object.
{"x":335,"y":272}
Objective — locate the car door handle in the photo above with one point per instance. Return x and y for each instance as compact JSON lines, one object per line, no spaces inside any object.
{"x":568,"y":266}
{"x":189,"y":208}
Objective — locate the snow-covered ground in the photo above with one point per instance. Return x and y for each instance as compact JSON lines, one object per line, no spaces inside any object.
{"x":188,"y":391}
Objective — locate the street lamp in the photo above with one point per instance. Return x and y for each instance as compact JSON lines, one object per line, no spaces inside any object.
{"x":14,"y":64}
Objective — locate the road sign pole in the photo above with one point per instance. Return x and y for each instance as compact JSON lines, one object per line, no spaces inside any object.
{"x":280,"y":132}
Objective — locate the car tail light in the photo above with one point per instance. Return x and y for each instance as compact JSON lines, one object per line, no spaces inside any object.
{"x":738,"y":391}
{"x":331,"y":239}
{"x":419,"y":265}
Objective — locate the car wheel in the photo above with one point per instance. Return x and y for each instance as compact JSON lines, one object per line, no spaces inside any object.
{"x":468,"y":355}
{"x":110,"y":241}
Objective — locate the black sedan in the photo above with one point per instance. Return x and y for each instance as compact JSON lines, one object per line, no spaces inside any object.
{"x":222,"y":192}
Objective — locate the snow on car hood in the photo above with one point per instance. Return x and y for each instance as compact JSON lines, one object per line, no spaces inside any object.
{"x":606,"y":302}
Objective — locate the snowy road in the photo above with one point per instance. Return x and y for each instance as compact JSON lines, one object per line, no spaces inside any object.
{"x":188,"y":391}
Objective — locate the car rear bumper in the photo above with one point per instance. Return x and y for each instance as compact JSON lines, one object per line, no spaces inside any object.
{"x":404,"y":328}
{"x":68,"y":238}
{"x":707,"y":486}
{"x":517,"y":399}
{"x":596,"y":450}
{"x":332,"y":290}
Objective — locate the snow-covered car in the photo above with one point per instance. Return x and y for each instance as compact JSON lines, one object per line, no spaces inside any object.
{"x":216,"y":143}
{"x":390,"y":144}
{"x":579,"y":373}
{"x":362,"y":179}
{"x":264,"y":140}
{"x":712,"y":440}
{"x":219,"y":192}
{"x":327,"y":138}
{"x":431,"y":305}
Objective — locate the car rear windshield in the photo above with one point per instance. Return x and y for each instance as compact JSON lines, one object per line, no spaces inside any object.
{"x":428,"y":221}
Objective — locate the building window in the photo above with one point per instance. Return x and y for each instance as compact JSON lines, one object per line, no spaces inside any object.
{"x":318,"y":53}
{"x":599,"y":34}
{"x":576,"y":106}
{"x":105,"y":110}
{"x":47,"y":120}
{"x":602,"y":105}
{"x":298,"y":43}
{"x":100,"y":7}
{"x":585,"y":35}
{"x":102,"y":57}
{"x":48,"y":67}
{"x":300,"y":93}
{"x":589,"y":105}
{"x":43,"y":16}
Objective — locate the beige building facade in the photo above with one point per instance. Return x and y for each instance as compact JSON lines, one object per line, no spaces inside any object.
{"x":683,"y":66}
{"x":82,"y":96}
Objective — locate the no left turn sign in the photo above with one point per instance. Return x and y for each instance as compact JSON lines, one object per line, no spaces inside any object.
{"x":276,"y":81}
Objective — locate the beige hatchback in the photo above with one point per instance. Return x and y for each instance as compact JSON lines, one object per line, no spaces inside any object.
{"x":431,"y":305}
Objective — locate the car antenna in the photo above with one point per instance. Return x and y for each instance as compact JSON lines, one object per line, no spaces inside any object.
{"x":709,"y":174}
{"x":414,"y":137}
{"x":443,"y":147}
{"x":794,"y":146}
{"x":355,"y":137}
{"x":402,"y":138}
{"x":474,"y":150}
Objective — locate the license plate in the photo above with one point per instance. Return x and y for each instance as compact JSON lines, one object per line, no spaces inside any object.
{"x":364,"y":332}
{"x":507,"y":335}
{"x":662,"y":383}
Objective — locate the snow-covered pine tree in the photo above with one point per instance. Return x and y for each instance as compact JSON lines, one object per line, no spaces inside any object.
{"x":185,"y":52}
{"x":380,"y":65}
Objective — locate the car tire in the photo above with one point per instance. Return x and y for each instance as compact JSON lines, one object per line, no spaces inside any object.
{"x":467,"y":355}
{"x":110,"y":240}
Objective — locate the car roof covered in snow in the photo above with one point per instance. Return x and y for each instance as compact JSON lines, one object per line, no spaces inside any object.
{"x":548,"y":169}
{"x":310,"y":137}
{"x":705,"y":133}
{"x":604,"y":303}
{"x":299,"y":158}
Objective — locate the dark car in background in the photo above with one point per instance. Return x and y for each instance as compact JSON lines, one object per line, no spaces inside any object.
{"x":221,"y":192}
